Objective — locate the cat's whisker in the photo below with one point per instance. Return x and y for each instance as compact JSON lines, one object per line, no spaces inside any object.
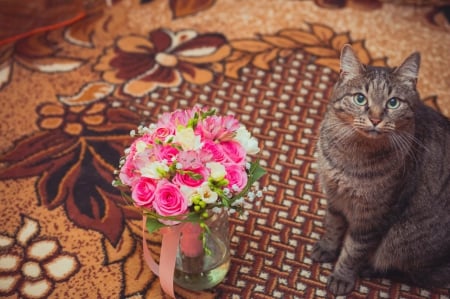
{"x":342,"y":134}
{"x":401,"y":146}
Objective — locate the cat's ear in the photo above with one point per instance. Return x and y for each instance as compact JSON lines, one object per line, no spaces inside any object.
{"x":351,"y":67}
{"x":408,"y":71}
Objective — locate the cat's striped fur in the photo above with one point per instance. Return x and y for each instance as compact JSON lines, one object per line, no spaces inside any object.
{"x":384,"y":164}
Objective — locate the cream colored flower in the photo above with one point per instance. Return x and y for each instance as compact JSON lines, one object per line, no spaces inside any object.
{"x":187,"y":139}
{"x":140,"y":146}
{"x":249,"y":143}
{"x":207,"y":194}
{"x":155,"y":170}
{"x":217,"y":170}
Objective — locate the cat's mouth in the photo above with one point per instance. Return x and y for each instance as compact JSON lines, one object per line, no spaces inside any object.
{"x":371,"y":133}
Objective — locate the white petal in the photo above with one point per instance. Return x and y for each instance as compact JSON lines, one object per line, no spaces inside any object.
{"x":8,"y":283}
{"x":6,"y":242}
{"x":29,"y":230}
{"x":61,"y":267}
{"x":180,"y":37}
{"x":42,"y":249}
{"x":199,"y":52}
{"x":5,"y":75}
{"x":36,"y":289}
{"x":32,"y":270}
{"x":9,"y":262}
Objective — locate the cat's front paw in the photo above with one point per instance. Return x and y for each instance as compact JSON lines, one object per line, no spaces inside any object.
{"x":323,"y":254}
{"x":339,"y":285}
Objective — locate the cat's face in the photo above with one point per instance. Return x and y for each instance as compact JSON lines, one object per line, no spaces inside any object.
{"x":375,"y":101}
{"x":375,"y":104}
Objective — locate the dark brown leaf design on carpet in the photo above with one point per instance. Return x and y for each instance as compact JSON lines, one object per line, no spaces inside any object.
{"x":81,"y":33}
{"x":35,"y":53}
{"x":75,"y":166}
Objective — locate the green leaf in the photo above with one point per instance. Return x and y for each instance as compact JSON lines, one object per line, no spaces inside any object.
{"x":208,"y":113}
{"x":191,"y":174}
{"x":192,"y":123}
{"x":256,"y":172}
{"x":193,"y":217}
{"x":153,"y":224}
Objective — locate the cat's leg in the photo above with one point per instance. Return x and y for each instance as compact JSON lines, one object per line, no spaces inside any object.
{"x":351,"y":259}
{"x":328,"y":247}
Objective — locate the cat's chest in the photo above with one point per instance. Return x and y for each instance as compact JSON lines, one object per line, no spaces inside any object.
{"x":341,"y":184}
{"x":355,"y":191}
{"x":352,"y":177}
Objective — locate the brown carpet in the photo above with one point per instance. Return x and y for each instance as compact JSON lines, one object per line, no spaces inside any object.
{"x":70,"y":94}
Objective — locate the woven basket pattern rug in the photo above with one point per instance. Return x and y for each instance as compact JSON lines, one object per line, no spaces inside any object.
{"x":77,"y":76}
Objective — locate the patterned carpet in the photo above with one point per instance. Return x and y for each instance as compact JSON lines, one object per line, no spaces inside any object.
{"x":72,"y":87}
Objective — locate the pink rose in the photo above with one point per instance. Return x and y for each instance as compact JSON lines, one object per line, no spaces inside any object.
{"x":234,"y":151}
{"x":188,"y":180}
{"x":166,"y":152}
{"x":143,"y":192}
{"x":214,"y":150}
{"x":237,"y":177}
{"x":161,"y":133}
{"x":169,"y":201}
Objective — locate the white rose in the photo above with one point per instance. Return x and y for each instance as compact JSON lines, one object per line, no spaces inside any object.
{"x":249,"y":143}
{"x":187,"y":139}
{"x":217,"y":170}
{"x":155,"y":170}
{"x":140,"y":146}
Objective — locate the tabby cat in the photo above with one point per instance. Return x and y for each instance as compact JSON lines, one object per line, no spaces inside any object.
{"x":384,"y":164}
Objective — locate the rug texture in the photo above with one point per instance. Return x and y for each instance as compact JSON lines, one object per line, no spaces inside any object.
{"x":75,"y":79}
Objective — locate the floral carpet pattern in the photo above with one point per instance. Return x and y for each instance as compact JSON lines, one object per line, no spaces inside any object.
{"x":72,"y":92}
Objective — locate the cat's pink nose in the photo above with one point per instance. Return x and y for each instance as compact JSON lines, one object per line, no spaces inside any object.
{"x":375,"y":121}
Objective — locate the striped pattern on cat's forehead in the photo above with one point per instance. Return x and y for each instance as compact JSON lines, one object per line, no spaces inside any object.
{"x":378,"y":81}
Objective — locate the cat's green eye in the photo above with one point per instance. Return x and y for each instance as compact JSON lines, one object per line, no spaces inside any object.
{"x":359,"y":99}
{"x":393,"y":103}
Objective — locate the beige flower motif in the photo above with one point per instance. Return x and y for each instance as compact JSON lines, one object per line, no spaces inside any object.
{"x":163,"y":59}
{"x":74,"y":120}
{"x":30,"y":267}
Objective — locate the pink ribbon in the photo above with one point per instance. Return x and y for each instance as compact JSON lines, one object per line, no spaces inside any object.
{"x":169,"y":246}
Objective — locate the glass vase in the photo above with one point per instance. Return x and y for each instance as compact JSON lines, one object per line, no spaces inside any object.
{"x":196,"y":269}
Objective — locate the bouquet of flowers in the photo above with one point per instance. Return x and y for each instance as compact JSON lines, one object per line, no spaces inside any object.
{"x":191,"y":163}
